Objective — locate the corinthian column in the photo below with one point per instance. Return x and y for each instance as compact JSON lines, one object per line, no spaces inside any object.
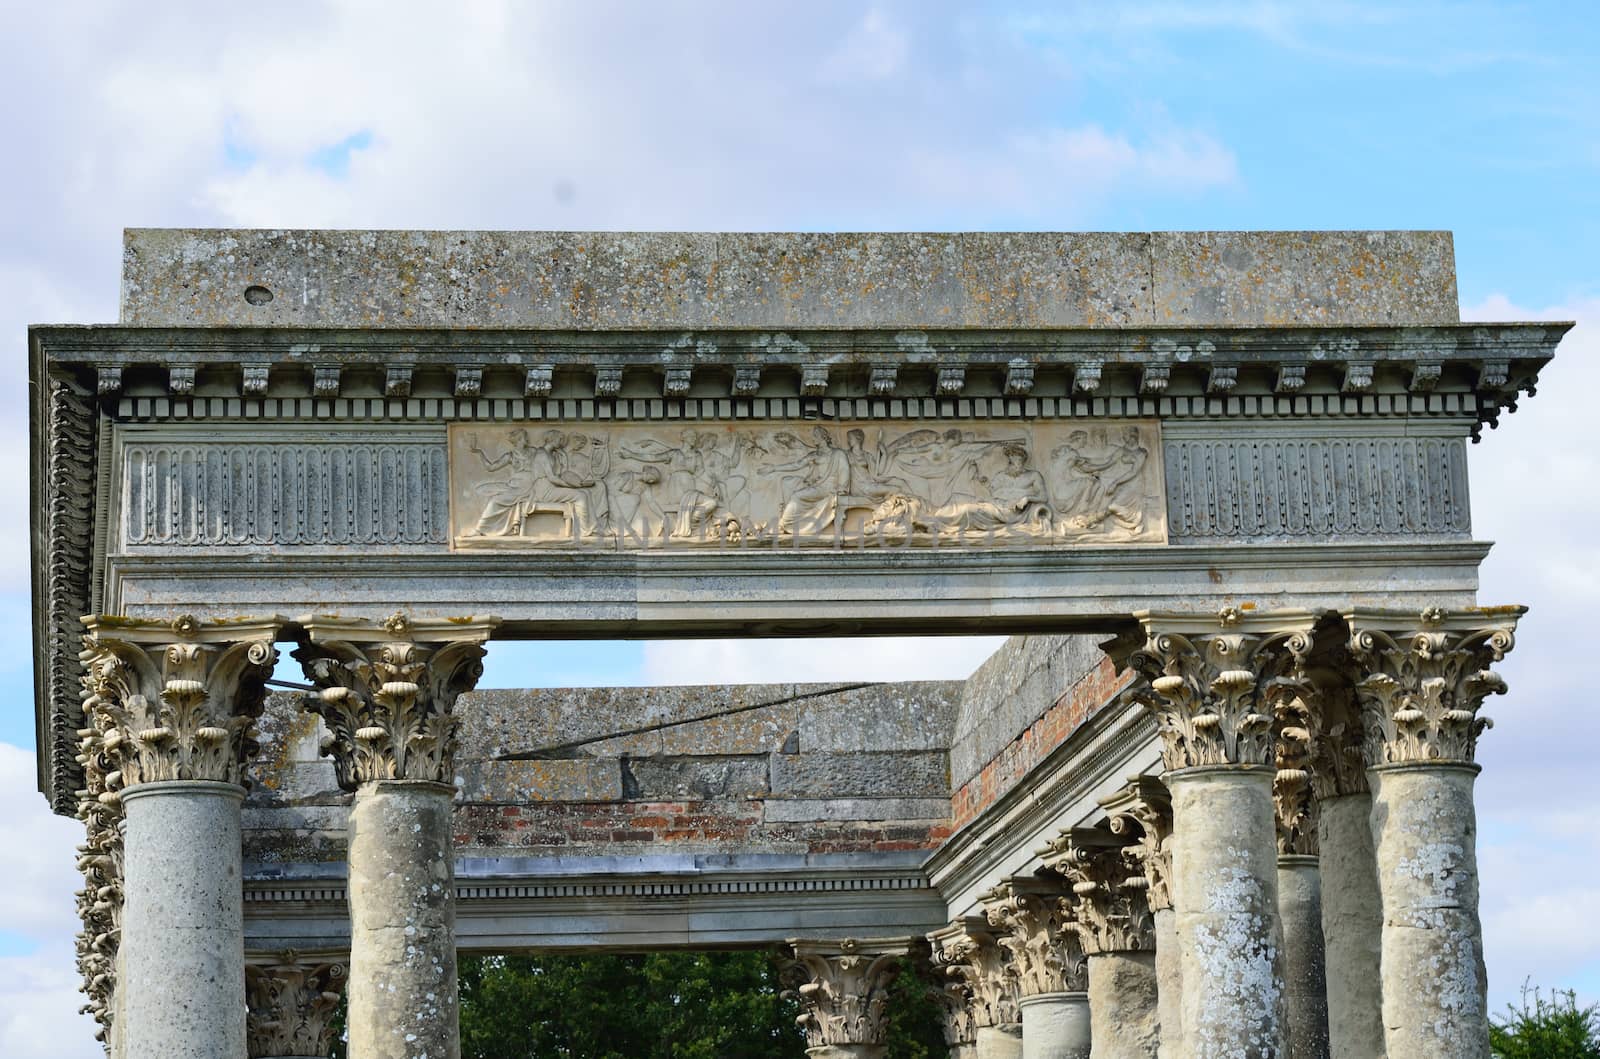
{"x":1300,"y":886}
{"x":845,"y":989}
{"x":1422,"y":680}
{"x":291,"y":1000}
{"x":1141,"y":814}
{"x":1035,"y":926}
{"x":973,"y":965}
{"x":1114,"y":925}
{"x":170,"y":709}
{"x":386,"y":692}
{"x":1211,"y":684}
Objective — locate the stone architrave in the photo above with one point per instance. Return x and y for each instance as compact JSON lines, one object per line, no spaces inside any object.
{"x":1211,"y":682}
{"x":845,"y":990}
{"x":1141,"y":814}
{"x":1034,"y":924}
{"x":171,"y":705}
{"x":386,"y":691}
{"x":973,"y":964}
{"x":1300,"y":882}
{"x":1421,"y":682}
{"x":1111,"y":914}
{"x":645,"y":486}
{"x":292,"y":998}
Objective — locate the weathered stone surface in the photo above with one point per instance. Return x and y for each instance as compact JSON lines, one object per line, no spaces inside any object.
{"x":860,"y":774}
{"x":1352,"y":926}
{"x":1123,"y":1010}
{"x":1169,"y":985}
{"x":1435,"y":987}
{"x":998,"y":1042}
{"x":1056,"y":1026}
{"x":693,"y":280}
{"x":702,"y":778}
{"x":1305,"y":979}
{"x":1303,"y":278}
{"x":1225,"y":896}
{"x":804,"y":809}
{"x":404,"y":999}
{"x":1010,"y":690}
{"x":181,"y":993}
{"x":575,"y":780}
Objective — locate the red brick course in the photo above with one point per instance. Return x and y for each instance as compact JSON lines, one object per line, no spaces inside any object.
{"x":1083,"y":700}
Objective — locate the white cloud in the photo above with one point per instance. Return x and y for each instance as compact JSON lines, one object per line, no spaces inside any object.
{"x":875,"y":49}
{"x":1534,"y":494}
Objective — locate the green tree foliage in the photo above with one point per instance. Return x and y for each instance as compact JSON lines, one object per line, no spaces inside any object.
{"x":1556,"y":1028}
{"x":663,"y":1005}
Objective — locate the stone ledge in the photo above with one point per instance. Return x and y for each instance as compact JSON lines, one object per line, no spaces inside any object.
{"x":692,"y":280}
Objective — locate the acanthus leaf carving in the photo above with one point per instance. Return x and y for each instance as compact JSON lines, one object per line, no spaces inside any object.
{"x":1423,"y":679}
{"x":1034,"y":924}
{"x":1141,"y":815}
{"x":1109,"y":893}
{"x":973,"y":962}
{"x":290,"y":1002}
{"x":386,"y":691}
{"x":844,"y":986}
{"x":100,"y":861}
{"x":177,"y":701}
{"x":1293,"y":792}
{"x":1213,"y":689}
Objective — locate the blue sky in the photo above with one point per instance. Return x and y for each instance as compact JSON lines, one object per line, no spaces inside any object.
{"x":1480,"y":118}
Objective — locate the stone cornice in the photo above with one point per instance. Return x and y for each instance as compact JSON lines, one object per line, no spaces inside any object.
{"x":1493,"y":362}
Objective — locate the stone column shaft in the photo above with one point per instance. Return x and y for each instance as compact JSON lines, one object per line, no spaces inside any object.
{"x":183,"y":922}
{"x":1122,"y":1005}
{"x":1304,"y":974}
{"x":1056,"y":1026}
{"x":1169,"y":985}
{"x":999,"y":1042}
{"x":1352,"y":927}
{"x":1434,"y":982}
{"x":1225,"y":904}
{"x":386,"y":692}
{"x":1422,"y":680}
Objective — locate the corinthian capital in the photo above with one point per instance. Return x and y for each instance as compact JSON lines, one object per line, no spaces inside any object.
{"x":176,"y":700}
{"x":1212,"y":680}
{"x":845,"y":987}
{"x":386,"y":690}
{"x":1111,"y":911}
{"x":1422,"y":678}
{"x":1141,"y":815}
{"x":290,"y":1000}
{"x":1034,"y":924}
{"x":1294,"y":798}
{"x":100,"y":861}
{"x":968,"y":956}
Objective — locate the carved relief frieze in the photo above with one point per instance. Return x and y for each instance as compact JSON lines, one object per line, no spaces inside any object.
{"x":386,"y":691}
{"x":867,"y":484}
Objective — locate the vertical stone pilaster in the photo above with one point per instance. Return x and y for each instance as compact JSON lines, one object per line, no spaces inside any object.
{"x":1141,"y":814}
{"x":1212,"y":683}
{"x":386,"y":691}
{"x":845,"y":988}
{"x":169,"y":709}
{"x":1111,"y":914}
{"x":1421,"y":680}
{"x":972,"y":965}
{"x":1033,"y":922}
{"x":291,"y":999}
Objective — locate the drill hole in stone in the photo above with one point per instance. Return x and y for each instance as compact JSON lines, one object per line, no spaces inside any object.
{"x":257,"y":295}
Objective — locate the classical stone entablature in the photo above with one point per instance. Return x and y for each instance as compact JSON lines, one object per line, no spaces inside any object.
{"x":1214,"y":485}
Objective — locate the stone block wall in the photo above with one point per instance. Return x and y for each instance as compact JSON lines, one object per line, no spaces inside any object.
{"x":771,"y":768}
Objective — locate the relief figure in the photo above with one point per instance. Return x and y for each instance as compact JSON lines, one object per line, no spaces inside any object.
{"x":540,"y":479}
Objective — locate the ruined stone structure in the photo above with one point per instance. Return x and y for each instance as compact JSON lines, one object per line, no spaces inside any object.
{"x":1213,"y":799}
